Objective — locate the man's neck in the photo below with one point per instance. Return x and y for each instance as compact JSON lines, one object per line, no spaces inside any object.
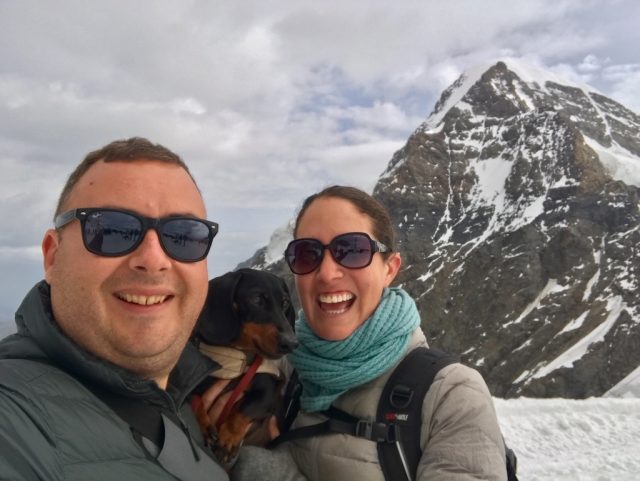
{"x":162,"y":382}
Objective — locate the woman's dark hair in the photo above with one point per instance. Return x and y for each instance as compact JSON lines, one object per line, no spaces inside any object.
{"x":365,"y":203}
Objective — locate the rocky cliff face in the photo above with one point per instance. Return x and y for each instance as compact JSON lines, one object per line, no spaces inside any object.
{"x":518,"y":212}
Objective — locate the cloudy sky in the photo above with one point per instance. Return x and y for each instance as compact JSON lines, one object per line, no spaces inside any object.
{"x":267,"y":101}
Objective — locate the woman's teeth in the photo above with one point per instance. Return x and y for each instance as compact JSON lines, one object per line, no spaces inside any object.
{"x":335,"y":303}
{"x":142,"y":300}
{"x":335,"y":298}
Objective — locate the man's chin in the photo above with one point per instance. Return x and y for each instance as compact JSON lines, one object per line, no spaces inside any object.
{"x":148,"y":358}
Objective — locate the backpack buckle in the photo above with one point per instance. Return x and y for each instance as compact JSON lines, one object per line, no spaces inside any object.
{"x":400,"y":396}
{"x":377,"y":432}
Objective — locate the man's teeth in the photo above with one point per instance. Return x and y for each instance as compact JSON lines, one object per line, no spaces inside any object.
{"x":142,"y":300}
{"x":335,"y":298}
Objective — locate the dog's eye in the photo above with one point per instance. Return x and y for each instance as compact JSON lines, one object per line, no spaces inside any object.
{"x":257,"y":299}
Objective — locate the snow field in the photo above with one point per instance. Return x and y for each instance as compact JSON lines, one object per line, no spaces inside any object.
{"x":596,"y":439}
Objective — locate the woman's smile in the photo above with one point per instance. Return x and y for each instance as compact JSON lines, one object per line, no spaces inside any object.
{"x":336,"y":303}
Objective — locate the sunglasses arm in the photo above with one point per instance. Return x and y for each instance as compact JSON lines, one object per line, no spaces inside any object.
{"x":64,"y":218}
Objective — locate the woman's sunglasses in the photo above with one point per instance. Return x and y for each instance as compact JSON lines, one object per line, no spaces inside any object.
{"x":353,"y":250}
{"x":116,"y":232}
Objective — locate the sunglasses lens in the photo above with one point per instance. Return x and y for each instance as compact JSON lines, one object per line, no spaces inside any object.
{"x":111,"y":233}
{"x":352,"y":250}
{"x":115,"y":233}
{"x":186,"y":239}
{"x":304,"y":255}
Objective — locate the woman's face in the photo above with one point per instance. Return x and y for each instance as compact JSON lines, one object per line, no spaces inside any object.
{"x":337,"y":300}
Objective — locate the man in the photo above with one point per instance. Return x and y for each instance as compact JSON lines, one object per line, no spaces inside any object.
{"x":93,"y":385}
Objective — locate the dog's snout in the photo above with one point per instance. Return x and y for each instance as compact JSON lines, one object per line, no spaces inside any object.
{"x":287,"y":342}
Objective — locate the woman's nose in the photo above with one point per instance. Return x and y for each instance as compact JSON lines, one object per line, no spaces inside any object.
{"x":329,"y":268}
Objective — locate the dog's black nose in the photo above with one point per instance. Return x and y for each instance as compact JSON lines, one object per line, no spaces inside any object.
{"x":287,"y":342}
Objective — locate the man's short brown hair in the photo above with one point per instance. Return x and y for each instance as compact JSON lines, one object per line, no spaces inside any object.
{"x":126,"y":150}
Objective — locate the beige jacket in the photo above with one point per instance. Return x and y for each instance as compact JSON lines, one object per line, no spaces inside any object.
{"x":461,"y":439}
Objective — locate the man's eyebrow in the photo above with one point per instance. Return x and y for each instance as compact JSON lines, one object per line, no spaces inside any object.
{"x":182,"y":214}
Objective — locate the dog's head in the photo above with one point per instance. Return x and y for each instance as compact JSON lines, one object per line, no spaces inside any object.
{"x":250,"y":310}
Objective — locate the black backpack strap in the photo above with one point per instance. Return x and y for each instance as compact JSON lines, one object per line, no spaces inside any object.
{"x":512,"y":464}
{"x":398,"y":424}
{"x":290,"y":402}
{"x":401,"y":404}
{"x":341,"y":422}
{"x":413,"y":374}
{"x":376,"y":431}
{"x":337,"y":421}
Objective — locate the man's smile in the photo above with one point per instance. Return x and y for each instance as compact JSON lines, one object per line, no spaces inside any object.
{"x":142,"y":300}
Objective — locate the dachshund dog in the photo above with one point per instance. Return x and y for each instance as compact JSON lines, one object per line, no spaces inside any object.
{"x":247,"y":320}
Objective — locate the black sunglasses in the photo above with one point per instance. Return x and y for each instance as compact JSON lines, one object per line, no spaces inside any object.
{"x":116,"y":232}
{"x":353,"y":250}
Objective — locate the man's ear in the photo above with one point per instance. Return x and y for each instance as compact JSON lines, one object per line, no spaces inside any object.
{"x":393,"y":264}
{"x":50,"y":244}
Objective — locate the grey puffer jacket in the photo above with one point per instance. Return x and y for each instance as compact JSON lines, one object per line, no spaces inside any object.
{"x":53,"y":428}
{"x":460,"y":436}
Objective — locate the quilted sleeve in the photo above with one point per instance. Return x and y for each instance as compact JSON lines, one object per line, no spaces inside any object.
{"x":461,"y":438}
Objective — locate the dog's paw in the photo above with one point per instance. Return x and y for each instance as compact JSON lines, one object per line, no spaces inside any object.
{"x":230,"y":436}
{"x":226,"y":456}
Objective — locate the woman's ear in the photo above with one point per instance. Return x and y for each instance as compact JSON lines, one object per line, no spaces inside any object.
{"x":392,"y":264}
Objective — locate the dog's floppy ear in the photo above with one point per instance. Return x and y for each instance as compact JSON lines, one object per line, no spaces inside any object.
{"x":290,"y":313}
{"x":218,"y":323}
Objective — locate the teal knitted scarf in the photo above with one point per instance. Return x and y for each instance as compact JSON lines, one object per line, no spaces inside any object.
{"x":329,"y":368}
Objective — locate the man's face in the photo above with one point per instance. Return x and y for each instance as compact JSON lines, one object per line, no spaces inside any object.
{"x":137,"y":310}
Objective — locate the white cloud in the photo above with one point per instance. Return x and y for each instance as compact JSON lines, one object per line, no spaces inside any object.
{"x":621,"y":82}
{"x":625,"y":84}
{"x":266,"y":101}
{"x":590,"y":64}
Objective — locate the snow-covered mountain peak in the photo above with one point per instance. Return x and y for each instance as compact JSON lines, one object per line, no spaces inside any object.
{"x":533,"y":76}
{"x":519,"y":218}
{"x":486,"y":99}
{"x":538,"y":75}
{"x":278,"y":242}
{"x":273,"y":252}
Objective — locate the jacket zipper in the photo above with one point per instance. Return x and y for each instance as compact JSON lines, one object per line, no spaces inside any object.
{"x":183,"y":425}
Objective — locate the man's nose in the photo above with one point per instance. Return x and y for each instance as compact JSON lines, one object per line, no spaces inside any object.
{"x":149,"y":255}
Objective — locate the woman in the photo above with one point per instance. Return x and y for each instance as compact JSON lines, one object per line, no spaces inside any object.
{"x":353,"y":331}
